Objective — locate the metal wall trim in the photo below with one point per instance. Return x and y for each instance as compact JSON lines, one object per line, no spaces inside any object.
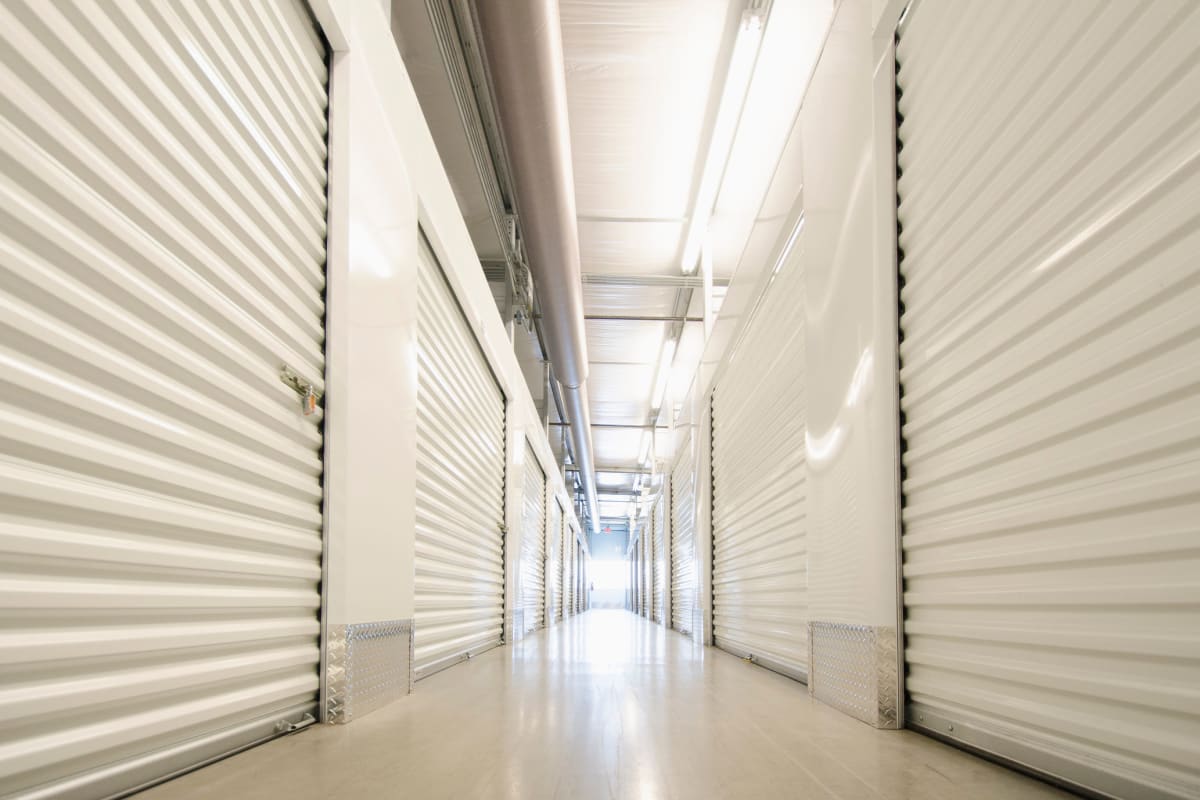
{"x":1013,"y":749}
{"x":767,"y":662}
{"x":453,"y":660}
{"x":369,"y":666}
{"x":128,"y":777}
{"x":853,"y":669}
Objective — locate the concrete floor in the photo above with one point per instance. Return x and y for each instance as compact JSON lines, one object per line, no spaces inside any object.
{"x":606,"y":705}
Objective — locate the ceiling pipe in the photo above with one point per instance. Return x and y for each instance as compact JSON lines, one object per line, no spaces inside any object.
{"x":522,"y":48}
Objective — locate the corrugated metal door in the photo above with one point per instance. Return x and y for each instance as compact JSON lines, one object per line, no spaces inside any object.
{"x":641,"y":573}
{"x":460,"y":484}
{"x":533,"y":545}
{"x":569,"y":569}
{"x":660,"y":560}
{"x":579,"y":559}
{"x":162,"y":254}
{"x":637,"y":575}
{"x":1049,"y":202}
{"x":633,"y":579}
{"x":558,"y":539}
{"x":557,"y":525}
{"x":581,"y":581}
{"x":647,"y":561}
{"x":760,"y":555}
{"x":683,"y":540}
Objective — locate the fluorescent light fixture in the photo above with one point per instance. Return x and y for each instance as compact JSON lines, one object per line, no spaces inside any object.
{"x":729,"y":112}
{"x":643,"y":453}
{"x":664,"y":373}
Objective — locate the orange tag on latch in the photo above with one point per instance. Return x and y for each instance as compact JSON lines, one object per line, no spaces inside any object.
{"x":310,"y":402}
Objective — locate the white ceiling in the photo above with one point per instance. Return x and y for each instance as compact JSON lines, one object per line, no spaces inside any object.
{"x":640,"y":79}
{"x":643,"y":83}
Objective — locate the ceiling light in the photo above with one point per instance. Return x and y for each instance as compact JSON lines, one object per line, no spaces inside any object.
{"x":733,"y":97}
{"x":643,"y":452}
{"x":664,"y":373}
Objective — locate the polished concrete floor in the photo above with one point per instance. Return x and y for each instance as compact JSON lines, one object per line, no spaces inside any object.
{"x":606,"y":705}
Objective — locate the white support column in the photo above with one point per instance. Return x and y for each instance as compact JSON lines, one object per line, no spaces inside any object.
{"x":850,"y":334}
{"x":370,"y":424}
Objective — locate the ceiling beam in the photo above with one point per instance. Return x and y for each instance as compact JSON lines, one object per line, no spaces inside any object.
{"x":647,"y":318}
{"x":614,"y":426}
{"x":615,"y":469}
{"x":667,"y":281}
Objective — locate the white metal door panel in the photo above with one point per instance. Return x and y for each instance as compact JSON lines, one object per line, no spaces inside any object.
{"x":637,"y":576}
{"x":162,"y":254}
{"x":585,"y":601}
{"x":569,"y":570}
{"x":579,"y":561}
{"x":568,"y":551}
{"x":683,"y":540}
{"x":459,"y":607}
{"x":633,"y":581}
{"x":647,"y":567}
{"x":642,"y":573}
{"x":660,"y":560}
{"x":1050,"y":181}
{"x":533,"y":545}
{"x":651,"y":565}
{"x":557,"y":539}
{"x":760,"y":557}
{"x":582,"y":580}
{"x":570,"y":567}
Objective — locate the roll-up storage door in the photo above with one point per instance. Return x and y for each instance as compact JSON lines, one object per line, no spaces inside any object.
{"x":460,"y":484}
{"x":533,"y":545}
{"x":683,"y":541}
{"x":162,"y":256}
{"x":760,"y":555}
{"x":660,"y":560}
{"x":577,"y":563}
{"x":569,"y":569}
{"x":579,"y":555}
{"x":582,"y":562}
{"x":578,"y":577}
{"x":647,"y":567}
{"x":558,"y":539}
{"x":640,"y":565}
{"x":651,"y":566}
{"x":637,"y":575}
{"x":633,"y":579}
{"x":1049,"y":196}
{"x":557,"y":522}
{"x":641,"y":574}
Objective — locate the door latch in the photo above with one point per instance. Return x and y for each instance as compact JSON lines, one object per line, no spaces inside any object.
{"x":308,"y":393}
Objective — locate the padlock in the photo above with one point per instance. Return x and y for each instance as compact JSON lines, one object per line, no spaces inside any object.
{"x":310,"y":401}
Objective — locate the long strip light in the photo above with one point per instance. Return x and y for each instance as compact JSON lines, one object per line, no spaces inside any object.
{"x":729,"y":112}
{"x":664,"y":373}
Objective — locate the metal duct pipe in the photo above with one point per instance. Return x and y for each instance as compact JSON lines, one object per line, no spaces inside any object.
{"x":522,"y":47}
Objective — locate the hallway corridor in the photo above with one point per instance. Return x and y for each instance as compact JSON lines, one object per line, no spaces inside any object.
{"x":605,"y":705}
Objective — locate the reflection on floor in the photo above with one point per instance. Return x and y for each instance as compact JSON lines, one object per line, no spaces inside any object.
{"x":605,"y":705}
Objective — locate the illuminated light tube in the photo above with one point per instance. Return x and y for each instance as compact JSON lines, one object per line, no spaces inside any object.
{"x":729,"y":112}
{"x":664,"y":373}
